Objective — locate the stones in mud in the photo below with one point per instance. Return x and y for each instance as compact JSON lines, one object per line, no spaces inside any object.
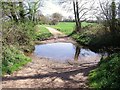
{"x":47,"y":80}
{"x":44,"y":72}
{"x":58,"y":80}
{"x":76,"y":63}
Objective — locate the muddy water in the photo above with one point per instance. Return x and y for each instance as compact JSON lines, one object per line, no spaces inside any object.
{"x":64,"y":52}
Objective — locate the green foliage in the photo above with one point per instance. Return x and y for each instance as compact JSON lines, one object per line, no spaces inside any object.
{"x":33,"y":9}
{"x":17,"y":37}
{"x":83,"y":38}
{"x":26,"y":32}
{"x":107,"y":75}
{"x":42,"y":33}
{"x":87,"y":34}
{"x":18,"y":33}
{"x":97,"y":36}
{"x":12,"y":59}
{"x":22,"y":33}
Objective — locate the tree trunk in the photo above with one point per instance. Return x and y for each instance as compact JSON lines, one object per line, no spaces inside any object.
{"x":74,"y":6}
{"x":113,"y":21}
{"x":77,"y":19}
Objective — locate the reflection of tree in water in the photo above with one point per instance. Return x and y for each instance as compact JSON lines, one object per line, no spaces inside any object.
{"x":77,"y":52}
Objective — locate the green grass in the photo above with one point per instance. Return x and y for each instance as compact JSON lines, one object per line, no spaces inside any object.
{"x":86,"y":24}
{"x":42,"y":32}
{"x":65,"y":27}
{"x":68,"y":27}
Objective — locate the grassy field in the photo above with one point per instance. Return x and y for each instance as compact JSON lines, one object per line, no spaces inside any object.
{"x":65,"y":27}
{"x":68,"y":27}
{"x":42,"y":32}
{"x":86,"y":24}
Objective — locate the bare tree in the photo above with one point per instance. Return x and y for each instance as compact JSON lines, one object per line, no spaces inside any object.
{"x":70,"y":18}
{"x":76,"y":13}
{"x":81,"y":9}
{"x":109,"y":13}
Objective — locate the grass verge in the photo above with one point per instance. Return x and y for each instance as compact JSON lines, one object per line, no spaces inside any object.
{"x":42,"y":33}
{"x":13,"y":59}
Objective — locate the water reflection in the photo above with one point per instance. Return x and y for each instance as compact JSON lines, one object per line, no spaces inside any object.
{"x":77,"y":52}
{"x":65,"y":51}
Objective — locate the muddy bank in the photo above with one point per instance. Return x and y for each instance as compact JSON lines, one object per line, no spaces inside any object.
{"x":55,"y":40}
{"x":45,"y":73}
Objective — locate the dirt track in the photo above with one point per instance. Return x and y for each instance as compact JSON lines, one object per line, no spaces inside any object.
{"x":44,"y":73}
{"x":55,"y":32}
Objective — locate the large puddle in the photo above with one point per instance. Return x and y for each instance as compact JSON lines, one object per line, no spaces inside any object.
{"x":66,"y":51}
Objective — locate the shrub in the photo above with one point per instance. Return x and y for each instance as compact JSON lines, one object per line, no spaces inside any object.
{"x":17,"y":37}
{"x":107,"y":75}
{"x":12,"y":59}
{"x":97,"y":36}
{"x":22,"y":33}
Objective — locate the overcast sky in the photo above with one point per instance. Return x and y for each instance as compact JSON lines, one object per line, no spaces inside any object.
{"x":50,"y":7}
